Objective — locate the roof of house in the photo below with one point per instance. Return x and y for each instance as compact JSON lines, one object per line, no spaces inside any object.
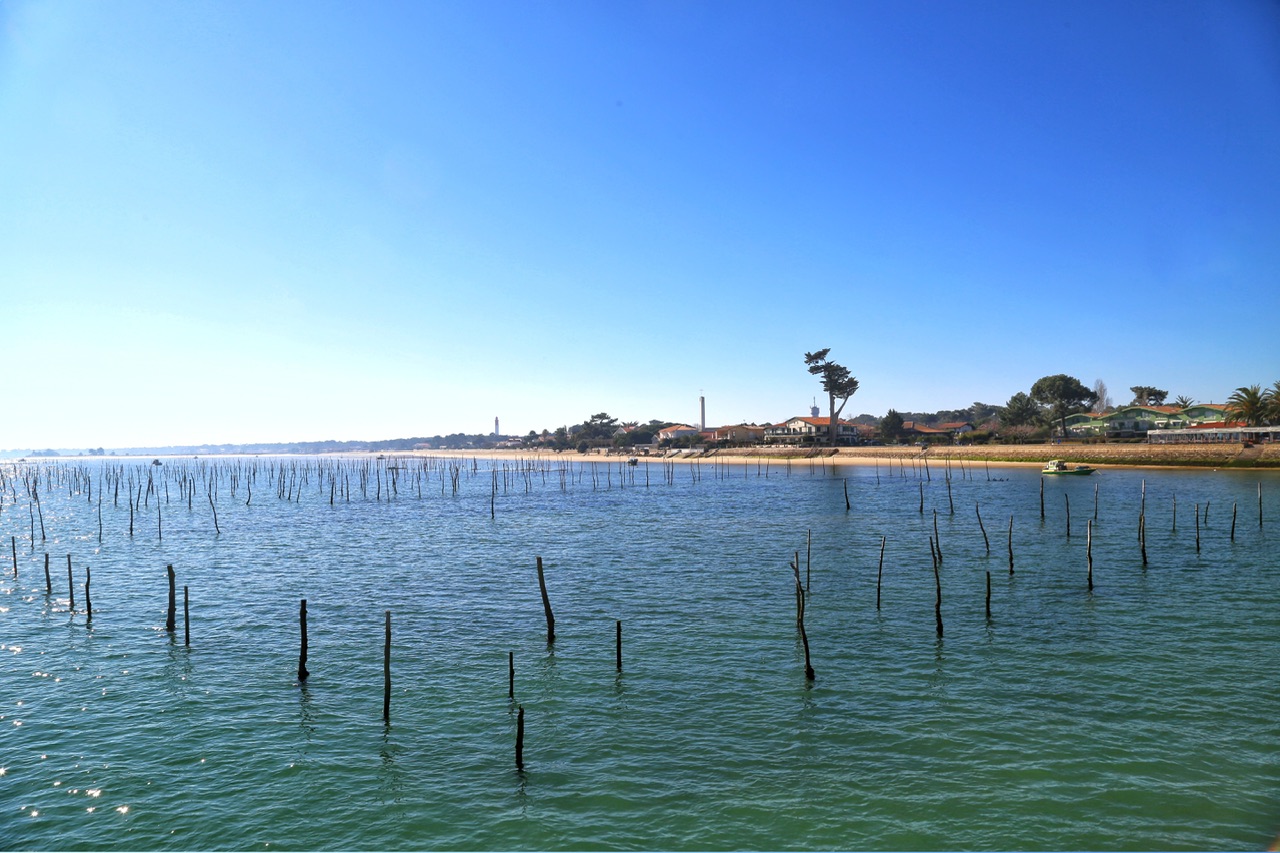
{"x":955,"y":425}
{"x":921,"y":428}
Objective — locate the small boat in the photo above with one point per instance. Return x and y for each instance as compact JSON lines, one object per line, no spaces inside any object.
{"x":1057,"y":466}
{"x":633,"y":461}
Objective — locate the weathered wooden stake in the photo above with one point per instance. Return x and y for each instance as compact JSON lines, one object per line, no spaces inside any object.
{"x":1233,"y":521}
{"x":13,"y":543}
{"x":546,"y":605}
{"x":1089,"y":551}
{"x":71,"y":585}
{"x":1095,"y":501}
{"x":1011,"y":544}
{"x":88,"y":603}
{"x":880,"y":571}
{"x":48,"y":584}
{"x":520,"y":738}
{"x":186,"y":616}
{"x":1042,"y":498}
{"x":386,"y":672}
{"x":951,"y":505}
{"x":936,"y":537}
{"x":1067,"y":498}
{"x":847,"y":505}
{"x":173,"y":598}
{"x":618,"y":643}
{"x":982,"y":527}
{"x":922,"y":498}
{"x":302,"y":649}
{"x":988,"y":596}
{"x":937,"y":601}
{"x":1142,"y":537}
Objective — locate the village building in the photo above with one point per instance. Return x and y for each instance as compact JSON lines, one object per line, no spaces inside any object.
{"x":810,"y":430}
{"x":675,"y":431}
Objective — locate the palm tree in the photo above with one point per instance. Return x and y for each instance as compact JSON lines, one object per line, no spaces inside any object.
{"x":1272,"y":396}
{"x":1183,"y":401}
{"x":1249,"y":405}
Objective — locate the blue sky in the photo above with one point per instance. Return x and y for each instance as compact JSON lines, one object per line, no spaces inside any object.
{"x":227,"y":222}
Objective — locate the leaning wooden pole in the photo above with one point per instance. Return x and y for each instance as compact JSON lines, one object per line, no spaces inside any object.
{"x":546,"y":604}
{"x":982,"y":527}
{"x":386,"y":671}
{"x":880,"y":571}
{"x":937,"y":599}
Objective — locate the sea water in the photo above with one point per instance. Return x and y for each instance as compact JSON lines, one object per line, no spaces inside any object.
{"x":1138,"y":715}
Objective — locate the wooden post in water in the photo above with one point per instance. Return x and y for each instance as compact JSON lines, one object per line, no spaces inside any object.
{"x":71,"y":585}
{"x":950,"y":504}
{"x":1233,"y":521}
{"x":982,"y":527}
{"x":520,"y":738}
{"x":880,"y":571}
{"x":13,"y":543}
{"x":1095,"y":501}
{"x":546,"y":605}
{"x":173,"y":598}
{"x":618,"y":643}
{"x":48,"y":584}
{"x":1088,"y":550}
{"x":1067,"y":498}
{"x":302,"y":648}
{"x":88,"y":603}
{"x":937,"y":539}
{"x":922,"y":498}
{"x":988,"y":595}
{"x":1142,"y":537}
{"x":1011,"y":544}
{"x":847,"y":505}
{"x":186,"y":616}
{"x":1042,"y":498}
{"x":386,"y":672}
{"x":937,"y":600}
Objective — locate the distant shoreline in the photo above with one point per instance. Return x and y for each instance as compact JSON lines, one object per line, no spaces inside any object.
{"x":1012,"y":455}
{"x":1205,"y":456}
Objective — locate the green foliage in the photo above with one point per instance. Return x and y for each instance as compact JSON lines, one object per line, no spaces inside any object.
{"x":1250,"y":405}
{"x":1021,"y":410}
{"x":891,"y":426}
{"x":837,"y":381}
{"x":1147,"y":395}
{"x":1183,"y":402}
{"x":1063,"y":395}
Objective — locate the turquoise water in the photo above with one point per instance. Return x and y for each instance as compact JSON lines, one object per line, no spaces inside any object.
{"x":1141,"y":715}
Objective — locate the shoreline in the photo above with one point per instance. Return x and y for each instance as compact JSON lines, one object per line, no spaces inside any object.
{"x":1204,"y":456}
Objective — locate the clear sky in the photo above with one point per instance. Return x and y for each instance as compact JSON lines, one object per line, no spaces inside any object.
{"x":273,"y":221}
